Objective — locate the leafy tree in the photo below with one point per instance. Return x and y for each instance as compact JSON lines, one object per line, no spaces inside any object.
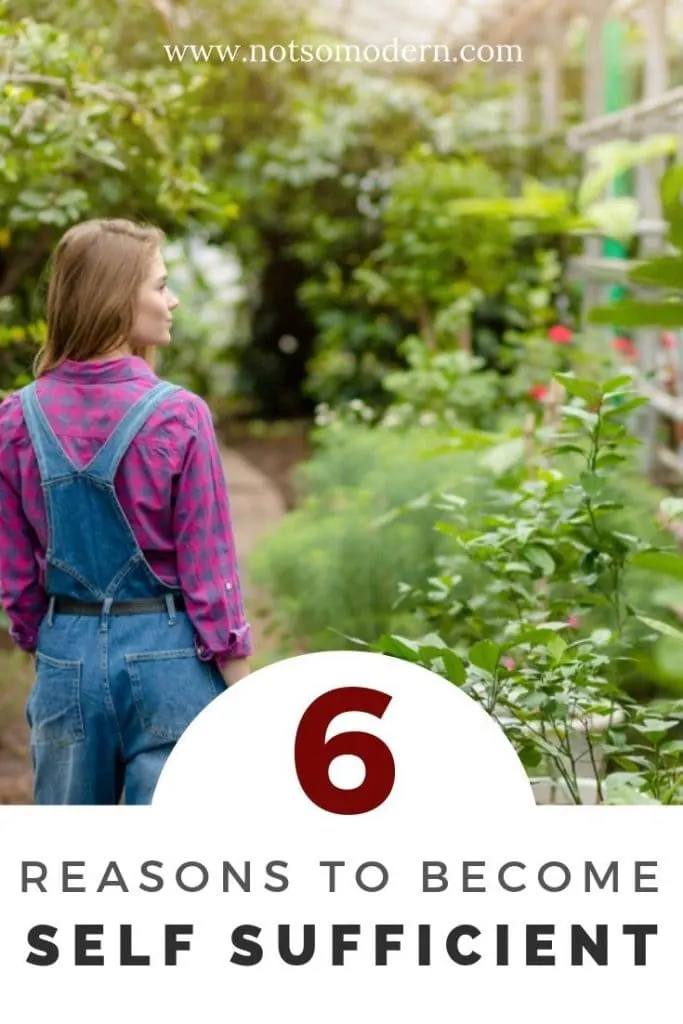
{"x":95,"y":121}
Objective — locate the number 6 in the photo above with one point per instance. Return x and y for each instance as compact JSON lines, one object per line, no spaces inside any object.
{"x":313,"y":755}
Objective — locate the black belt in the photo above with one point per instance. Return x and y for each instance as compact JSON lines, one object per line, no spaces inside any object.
{"x":138,"y":606}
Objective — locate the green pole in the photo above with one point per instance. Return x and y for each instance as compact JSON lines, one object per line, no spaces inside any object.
{"x":614,"y":50}
{"x":617,"y":96}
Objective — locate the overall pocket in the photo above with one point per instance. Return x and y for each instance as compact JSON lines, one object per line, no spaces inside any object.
{"x":53,"y":708}
{"x":170,"y":688}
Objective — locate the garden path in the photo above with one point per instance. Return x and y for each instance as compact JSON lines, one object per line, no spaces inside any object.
{"x":256,"y":505}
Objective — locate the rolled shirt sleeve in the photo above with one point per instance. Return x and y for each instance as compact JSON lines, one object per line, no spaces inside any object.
{"x":205,"y":549}
{"x":22,"y":595}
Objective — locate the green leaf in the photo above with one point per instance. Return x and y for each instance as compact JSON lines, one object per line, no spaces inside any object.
{"x":625,"y":788}
{"x":540,"y":557}
{"x":663,"y":272}
{"x":534,"y":207}
{"x":614,"y":218}
{"x":615,"y":383}
{"x":591,"y":484}
{"x":674,"y":215}
{"x":485,"y":655}
{"x":454,"y":667}
{"x":564,"y":449}
{"x":432,"y":641}
{"x":72,"y":197}
{"x":625,"y":407}
{"x":398,"y":647}
{"x":504,"y":456}
{"x":534,"y":637}
{"x":572,"y":412}
{"x":654,"y":726}
{"x":672,"y":747}
{"x":668,"y":563}
{"x":530,"y":756}
{"x":579,"y":388}
{"x":662,"y":627}
{"x":557,"y":646}
{"x":513,"y":567}
{"x":610,"y":459}
{"x":671,"y":185}
{"x":630,"y":313}
{"x":613,"y":158}
{"x":451,"y":529}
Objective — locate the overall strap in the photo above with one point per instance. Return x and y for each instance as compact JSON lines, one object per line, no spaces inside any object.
{"x":105,"y":464}
{"x":53,"y":462}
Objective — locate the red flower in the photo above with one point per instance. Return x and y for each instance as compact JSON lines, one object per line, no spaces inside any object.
{"x":560,"y":335}
{"x":626,"y":347}
{"x":509,"y":664}
{"x":668,"y":339}
{"x":573,"y":621}
{"x":538,"y":392}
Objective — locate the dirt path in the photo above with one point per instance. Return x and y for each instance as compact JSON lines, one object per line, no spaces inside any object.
{"x":256,"y":505}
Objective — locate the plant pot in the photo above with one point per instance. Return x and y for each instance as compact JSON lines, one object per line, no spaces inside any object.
{"x":554,"y":791}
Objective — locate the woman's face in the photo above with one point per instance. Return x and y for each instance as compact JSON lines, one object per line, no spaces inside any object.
{"x":152,"y":324}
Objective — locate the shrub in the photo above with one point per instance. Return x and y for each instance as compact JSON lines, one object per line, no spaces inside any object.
{"x":330,"y":566}
{"x":534,"y":611}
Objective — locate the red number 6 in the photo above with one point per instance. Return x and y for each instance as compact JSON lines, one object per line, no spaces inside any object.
{"x":313,"y":755}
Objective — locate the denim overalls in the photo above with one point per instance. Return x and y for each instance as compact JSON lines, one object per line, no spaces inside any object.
{"x":114,"y":690}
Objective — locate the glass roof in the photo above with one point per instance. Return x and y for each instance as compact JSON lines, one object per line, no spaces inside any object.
{"x":413,"y":21}
{"x":457,"y":21}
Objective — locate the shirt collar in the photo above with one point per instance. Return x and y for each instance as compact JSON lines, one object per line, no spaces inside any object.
{"x":106,"y":371}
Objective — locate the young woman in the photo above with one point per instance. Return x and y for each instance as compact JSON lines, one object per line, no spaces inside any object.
{"x":117,"y":557}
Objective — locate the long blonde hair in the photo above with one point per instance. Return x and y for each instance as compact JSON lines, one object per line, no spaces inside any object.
{"x":96,"y":272}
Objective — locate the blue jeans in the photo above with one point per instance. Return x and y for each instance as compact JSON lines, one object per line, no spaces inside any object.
{"x":107,"y":707}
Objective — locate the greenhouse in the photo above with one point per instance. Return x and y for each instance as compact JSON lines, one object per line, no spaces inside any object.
{"x":429,"y":266}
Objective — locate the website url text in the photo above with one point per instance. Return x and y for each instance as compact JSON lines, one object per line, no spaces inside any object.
{"x":345,"y":53}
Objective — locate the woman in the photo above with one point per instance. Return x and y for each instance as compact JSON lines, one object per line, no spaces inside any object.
{"x":117,"y":558}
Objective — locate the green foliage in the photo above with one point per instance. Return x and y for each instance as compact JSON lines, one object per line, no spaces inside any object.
{"x":95,"y":121}
{"x":77,"y":140}
{"x":556,"y":208}
{"x":345,"y":177}
{"x":538,"y":206}
{"x":612,"y":159}
{"x":527,"y":356}
{"x":663,"y":274}
{"x":70,"y":135}
{"x":331,"y":568}
{"x":364,"y":192}
{"x":450,"y":386}
{"x":446,"y":386}
{"x":317,"y":194}
{"x":532,"y":609}
{"x":430,"y":256}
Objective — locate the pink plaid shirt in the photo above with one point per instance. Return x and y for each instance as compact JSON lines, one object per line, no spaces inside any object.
{"x":170,"y":484}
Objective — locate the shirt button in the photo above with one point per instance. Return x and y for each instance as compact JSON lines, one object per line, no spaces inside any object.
{"x":228,"y":587}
